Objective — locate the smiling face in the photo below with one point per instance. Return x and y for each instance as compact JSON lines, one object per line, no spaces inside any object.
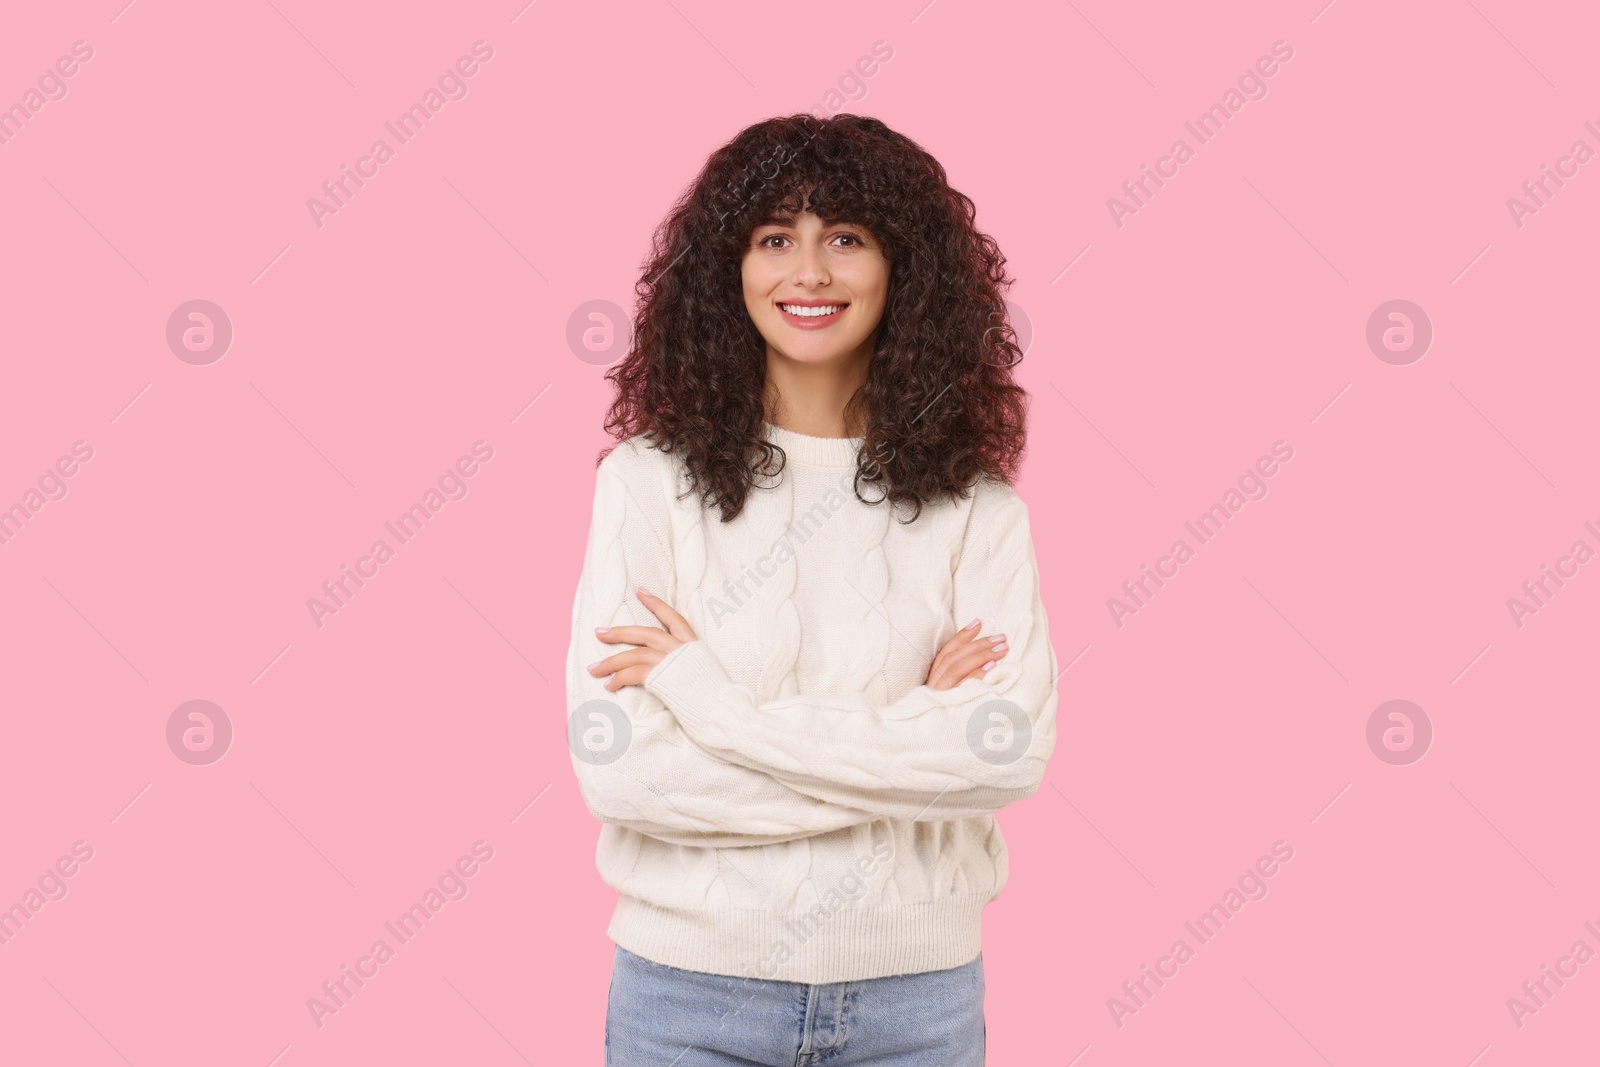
{"x":815,"y":290}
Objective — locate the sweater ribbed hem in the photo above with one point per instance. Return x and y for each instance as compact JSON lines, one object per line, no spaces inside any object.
{"x":814,"y":451}
{"x":849,"y":945}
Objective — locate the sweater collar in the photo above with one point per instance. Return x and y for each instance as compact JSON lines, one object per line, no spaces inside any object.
{"x":814,"y":451}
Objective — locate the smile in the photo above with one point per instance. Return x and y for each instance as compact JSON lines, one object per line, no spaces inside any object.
{"x":809,"y":317}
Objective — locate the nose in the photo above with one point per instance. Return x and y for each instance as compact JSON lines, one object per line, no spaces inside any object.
{"x":810,"y":268}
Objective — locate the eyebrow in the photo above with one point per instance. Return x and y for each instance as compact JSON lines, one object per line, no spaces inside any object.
{"x":788,"y":220}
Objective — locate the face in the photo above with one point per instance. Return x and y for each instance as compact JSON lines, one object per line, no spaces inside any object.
{"x":795,"y":266}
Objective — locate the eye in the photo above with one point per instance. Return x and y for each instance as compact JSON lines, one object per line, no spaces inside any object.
{"x":762,"y":243}
{"x":852,"y":237}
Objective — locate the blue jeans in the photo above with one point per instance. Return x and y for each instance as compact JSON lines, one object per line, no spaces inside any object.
{"x":661,"y":1016}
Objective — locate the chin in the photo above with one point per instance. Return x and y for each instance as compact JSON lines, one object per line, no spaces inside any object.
{"x":813,"y":355}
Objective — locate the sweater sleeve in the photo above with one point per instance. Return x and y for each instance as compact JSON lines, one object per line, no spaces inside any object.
{"x":933,"y":754}
{"x":634,"y":764}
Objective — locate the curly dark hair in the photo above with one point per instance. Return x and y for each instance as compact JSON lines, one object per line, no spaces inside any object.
{"x":939,"y":405}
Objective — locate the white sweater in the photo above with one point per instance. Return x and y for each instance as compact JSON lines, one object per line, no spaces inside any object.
{"x":784,"y":798}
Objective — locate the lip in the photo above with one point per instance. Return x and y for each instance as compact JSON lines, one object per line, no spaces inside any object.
{"x":814,"y":322}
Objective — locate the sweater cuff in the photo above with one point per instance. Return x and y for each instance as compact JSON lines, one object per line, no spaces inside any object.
{"x":692,"y":684}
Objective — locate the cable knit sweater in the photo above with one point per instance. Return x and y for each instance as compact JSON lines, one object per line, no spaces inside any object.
{"x":784,"y":798}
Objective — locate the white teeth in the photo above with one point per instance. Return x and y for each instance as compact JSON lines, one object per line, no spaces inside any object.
{"x":811,"y":313}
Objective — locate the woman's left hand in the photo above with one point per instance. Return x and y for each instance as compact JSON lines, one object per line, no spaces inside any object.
{"x":630,"y":667}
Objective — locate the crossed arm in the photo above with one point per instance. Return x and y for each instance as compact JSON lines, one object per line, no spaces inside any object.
{"x":665,"y":742}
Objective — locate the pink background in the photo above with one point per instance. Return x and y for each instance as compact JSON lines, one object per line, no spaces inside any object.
{"x":431,"y":312}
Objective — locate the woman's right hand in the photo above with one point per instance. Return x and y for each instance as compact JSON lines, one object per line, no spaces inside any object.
{"x":965,"y":656}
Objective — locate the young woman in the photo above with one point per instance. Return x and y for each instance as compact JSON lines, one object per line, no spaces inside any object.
{"x":809,"y":658}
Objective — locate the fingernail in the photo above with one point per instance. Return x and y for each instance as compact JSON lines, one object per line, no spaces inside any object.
{"x":970,"y":625}
{"x":989,"y":665}
{"x":645,"y":591}
{"x":1001,"y":647}
{"x":593,"y":665}
{"x":602,"y":629}
{"x":998,"y":638}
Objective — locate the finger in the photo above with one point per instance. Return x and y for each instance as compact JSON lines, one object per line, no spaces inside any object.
{"x":981,"y":672}
{"x":677,"y":625}
{"x":650,"y":636}
{"x":980,"y":652}
{"x":957,"y":667}
{"x":622,"y":661}
{"x":962,"y":645}
{"x":961,"y":638}
{"x":950,"y":672}
{"x":628,"y":676}
{"x":955,"y":678}
{"x":953,"y":647}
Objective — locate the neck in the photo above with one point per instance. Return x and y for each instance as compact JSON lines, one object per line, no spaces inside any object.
{"x":812,"y":398}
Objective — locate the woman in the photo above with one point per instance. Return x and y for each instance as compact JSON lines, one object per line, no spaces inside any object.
{"x":794,"y":739}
